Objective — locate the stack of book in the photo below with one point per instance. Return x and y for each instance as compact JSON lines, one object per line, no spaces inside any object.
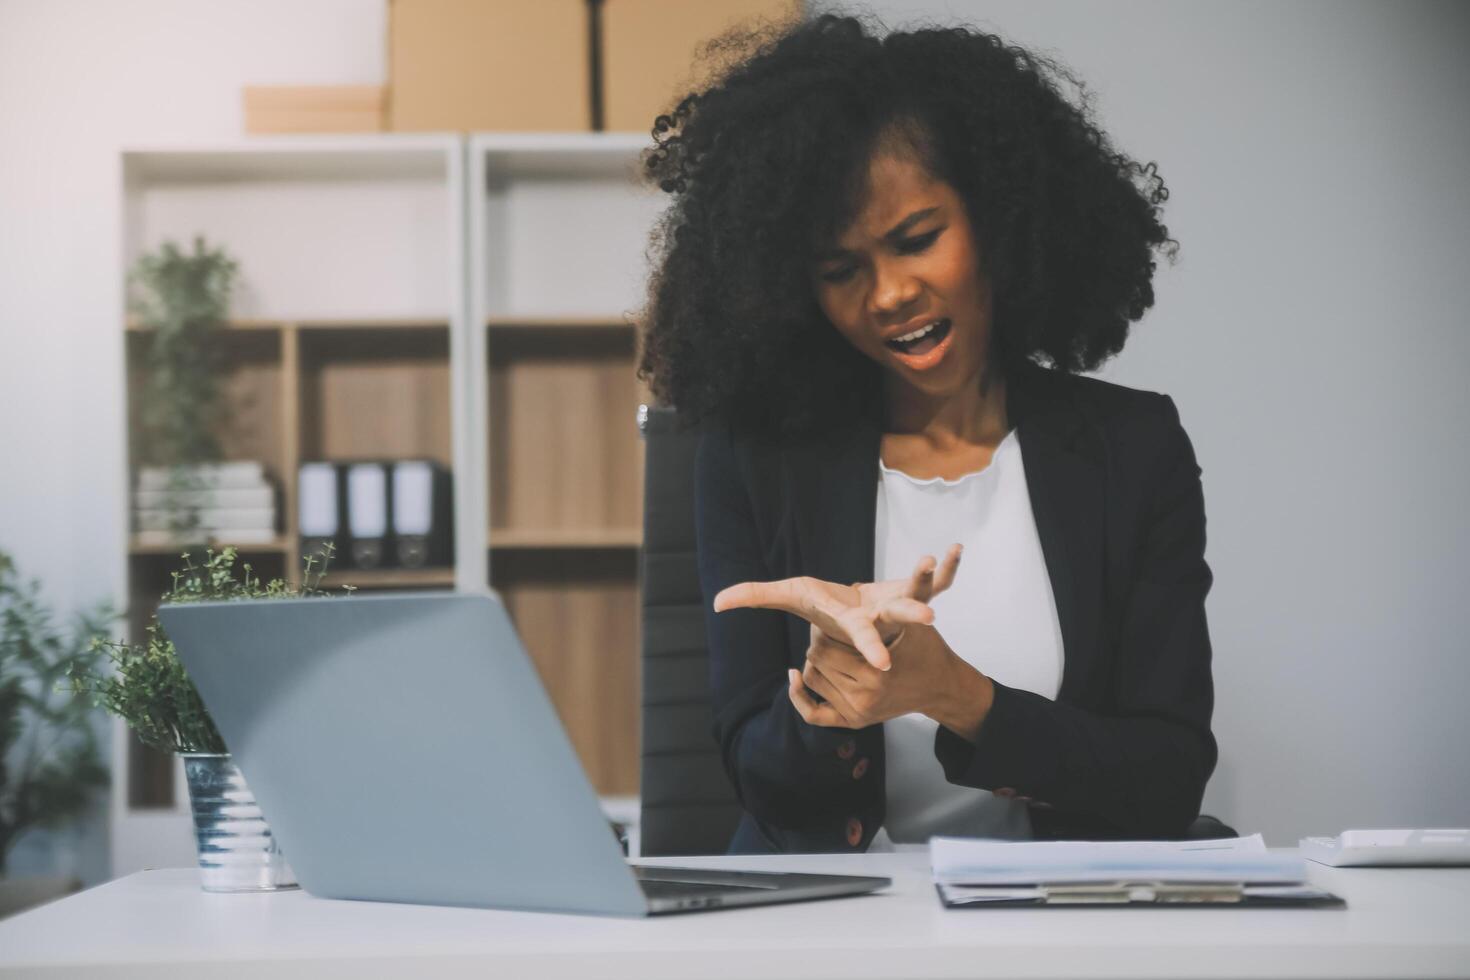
{"x":228,"y":502}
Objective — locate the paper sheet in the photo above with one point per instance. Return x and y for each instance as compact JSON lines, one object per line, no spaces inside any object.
{"x":965,"y":861}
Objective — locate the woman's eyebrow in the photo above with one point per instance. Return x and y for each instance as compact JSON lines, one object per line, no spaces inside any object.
{"x":893,"y":234}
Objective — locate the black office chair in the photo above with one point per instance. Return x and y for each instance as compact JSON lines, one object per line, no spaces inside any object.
{"x":688,"y":804}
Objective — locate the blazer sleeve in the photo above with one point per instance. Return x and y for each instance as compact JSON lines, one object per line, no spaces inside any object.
{"x":787,"y":774}
{"x":1140,"y":769}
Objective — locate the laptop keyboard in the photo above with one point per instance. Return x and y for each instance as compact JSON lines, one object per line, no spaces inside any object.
{"x":682,"y":889}
{"x":689,"y":883}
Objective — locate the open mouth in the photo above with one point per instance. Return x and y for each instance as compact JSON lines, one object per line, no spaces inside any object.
{"x":923,"y":340}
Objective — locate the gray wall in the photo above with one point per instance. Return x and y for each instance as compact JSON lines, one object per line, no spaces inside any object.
{"x":1314,"y":337}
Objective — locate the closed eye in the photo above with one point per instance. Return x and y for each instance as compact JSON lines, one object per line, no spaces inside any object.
{"x":912,"y":246}
{"x":908,"y":246}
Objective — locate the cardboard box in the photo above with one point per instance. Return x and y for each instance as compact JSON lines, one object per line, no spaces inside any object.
{"x":314,"y":108}
{"x":649,"y":49}
{"x":488,"y":65}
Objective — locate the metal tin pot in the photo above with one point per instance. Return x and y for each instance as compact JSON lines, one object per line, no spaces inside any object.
{"x":237,"y":852}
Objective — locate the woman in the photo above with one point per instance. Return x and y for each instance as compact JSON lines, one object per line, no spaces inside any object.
{"x":871,"y":243}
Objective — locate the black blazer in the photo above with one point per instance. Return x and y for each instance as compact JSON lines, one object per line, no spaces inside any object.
{"x":1125,"y":749}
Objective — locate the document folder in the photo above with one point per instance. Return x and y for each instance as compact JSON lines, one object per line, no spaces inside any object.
{"x":1225,"y":873}
{"x":1136,"y":893}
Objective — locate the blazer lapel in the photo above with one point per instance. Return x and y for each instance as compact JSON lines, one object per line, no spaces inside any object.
{"x":1065,"y":466}
{"x":832,"y":488}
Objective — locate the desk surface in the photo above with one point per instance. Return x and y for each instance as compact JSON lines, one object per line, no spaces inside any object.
{"x":1399,"y":922}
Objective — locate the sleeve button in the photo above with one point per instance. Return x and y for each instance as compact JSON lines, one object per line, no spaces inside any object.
{"x":846,"y":749}
{"x":861,"y":769}
{"x":1004,"y":791}
{"x":854,"y":831}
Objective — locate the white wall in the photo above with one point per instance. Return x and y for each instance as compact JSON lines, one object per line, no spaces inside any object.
{"x":78,"y":80}
{"x":1314,"y":336}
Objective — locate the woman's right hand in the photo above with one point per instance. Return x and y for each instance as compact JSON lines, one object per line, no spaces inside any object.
{"x":866,"y":615}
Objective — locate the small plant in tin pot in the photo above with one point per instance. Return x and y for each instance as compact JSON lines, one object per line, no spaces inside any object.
{"x":150,"y":691}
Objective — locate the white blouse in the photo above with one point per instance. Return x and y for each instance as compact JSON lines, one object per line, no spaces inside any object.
{"x":999,"y":615}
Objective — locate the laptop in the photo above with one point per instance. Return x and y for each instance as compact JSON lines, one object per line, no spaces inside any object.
{"x":404,"y":750}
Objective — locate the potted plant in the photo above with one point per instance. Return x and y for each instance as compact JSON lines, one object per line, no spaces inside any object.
{"x":181,"y":298}
{"x":50,"y":764}
{"x":150,"y":691}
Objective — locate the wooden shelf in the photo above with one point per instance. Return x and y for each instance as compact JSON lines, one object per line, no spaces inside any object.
{"x":335,"y":323}
{"x":279,"y":545}
{"x":389,"y":578}
{"x":539,"y":322}
{"x":559,"y":537}
{"x":374,"y":323}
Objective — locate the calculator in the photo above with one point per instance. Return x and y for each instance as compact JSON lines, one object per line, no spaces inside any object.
{"x":1390,"y":848}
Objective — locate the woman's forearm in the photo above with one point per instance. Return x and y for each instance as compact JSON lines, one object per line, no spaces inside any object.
{"x":962,"y":704}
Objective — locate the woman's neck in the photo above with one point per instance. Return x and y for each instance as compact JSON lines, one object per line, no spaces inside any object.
{"x":971,"y":417}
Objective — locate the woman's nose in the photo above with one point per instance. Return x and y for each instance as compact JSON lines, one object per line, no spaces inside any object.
{"x":893,"y":290}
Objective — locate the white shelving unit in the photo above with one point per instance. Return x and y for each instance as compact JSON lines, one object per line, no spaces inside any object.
{"x":529,"y":251}
{"x":558,"y":233}
{"x":337,"y":238}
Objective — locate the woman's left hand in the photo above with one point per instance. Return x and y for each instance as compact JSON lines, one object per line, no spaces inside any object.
{"x":857,"y":694}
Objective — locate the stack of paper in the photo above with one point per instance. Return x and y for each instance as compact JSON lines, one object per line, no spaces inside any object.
{"x":228,"y":501}
{"x":968,"y":871}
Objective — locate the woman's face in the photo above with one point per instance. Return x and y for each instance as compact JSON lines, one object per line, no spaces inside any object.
{"x":905,"y":284}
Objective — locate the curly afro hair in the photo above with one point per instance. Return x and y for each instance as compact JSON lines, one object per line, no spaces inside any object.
{"x":766,"y":167}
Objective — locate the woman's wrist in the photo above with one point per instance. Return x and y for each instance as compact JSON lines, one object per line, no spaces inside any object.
{"x":964,"y":703}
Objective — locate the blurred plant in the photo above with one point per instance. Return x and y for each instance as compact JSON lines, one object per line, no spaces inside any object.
{"x":55,"y":774}
{"x":149,"y":689}
{"x":181,"y":298}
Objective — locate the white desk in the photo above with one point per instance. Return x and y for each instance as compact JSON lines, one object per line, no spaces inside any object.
{"x":158,"y":924}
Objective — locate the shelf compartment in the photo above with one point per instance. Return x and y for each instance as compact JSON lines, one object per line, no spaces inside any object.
{"x":251,"y":425}
{"x":577,"y":613}
{"x":375,"y":393}
{"x":565,"y":537}
{"x":555,"y":212}
{"x":563,"y":447}
{"x":321,"y":228}
{"x":389,"y":578}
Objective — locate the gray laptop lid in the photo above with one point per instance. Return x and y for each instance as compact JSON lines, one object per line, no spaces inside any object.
{"x":403,"y":749}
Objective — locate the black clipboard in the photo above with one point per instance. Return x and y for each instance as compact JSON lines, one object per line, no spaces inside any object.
{"x":1136,"y":894}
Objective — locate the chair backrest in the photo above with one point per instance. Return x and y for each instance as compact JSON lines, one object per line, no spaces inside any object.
{"x":688,"y":806}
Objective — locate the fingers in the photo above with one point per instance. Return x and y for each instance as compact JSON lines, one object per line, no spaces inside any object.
{"x":805,"y":596}
{"x":903,"y":611}
{"x":812,"y":713}
{"x":921,"y":579}
{"x":835,"y":658}
{"x":858,"y":629}
{"x":814,"y":679}
{"x":759,"y":595}
{"x":944,"y":577}
{"x":929,"y":578}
